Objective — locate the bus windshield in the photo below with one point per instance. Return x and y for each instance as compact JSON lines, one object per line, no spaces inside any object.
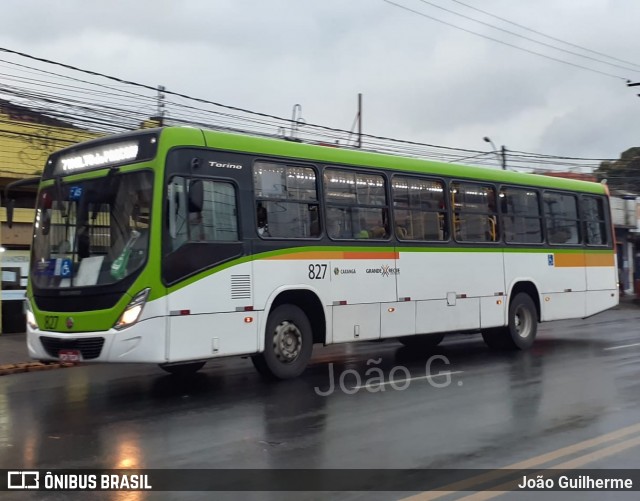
{"x":91,"y":232}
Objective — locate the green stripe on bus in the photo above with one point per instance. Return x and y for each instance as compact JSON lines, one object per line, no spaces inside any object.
{"x":400,"y":249}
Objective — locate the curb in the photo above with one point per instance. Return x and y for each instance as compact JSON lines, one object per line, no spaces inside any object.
{"x":6,"y":369}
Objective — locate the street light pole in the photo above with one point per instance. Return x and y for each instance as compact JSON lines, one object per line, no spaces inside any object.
{"x":503,"y":152}
{"x":633,"y":84}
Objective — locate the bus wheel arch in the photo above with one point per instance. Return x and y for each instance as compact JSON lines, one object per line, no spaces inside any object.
{"x":531,"y":289}
{"x":310,"y":304}
{"x":522,"y":320}
{"x":294,"y":323}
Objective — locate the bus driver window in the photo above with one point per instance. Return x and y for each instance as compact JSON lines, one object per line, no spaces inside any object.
{"x":261,"y":218}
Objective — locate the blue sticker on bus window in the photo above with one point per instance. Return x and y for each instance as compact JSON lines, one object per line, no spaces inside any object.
{"x":65,"y":268}
{"x":45,"y":268}
{"x":75,"y":193}
{"x":550,"y":259}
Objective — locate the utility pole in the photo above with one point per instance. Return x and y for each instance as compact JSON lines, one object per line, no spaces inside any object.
{"x":359,"y":120}
{"x":160,"y":113}
{"x":503,"y":152}
{"x":296,"y":121}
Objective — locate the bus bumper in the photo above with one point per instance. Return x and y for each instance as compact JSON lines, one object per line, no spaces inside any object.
{"x":142,"y":342}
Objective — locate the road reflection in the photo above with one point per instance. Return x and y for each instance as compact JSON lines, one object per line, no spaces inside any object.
{"x":226,"y":416}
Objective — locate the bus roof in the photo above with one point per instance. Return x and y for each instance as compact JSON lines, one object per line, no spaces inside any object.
{"x":190,"y":136}
{"x":344,"y":156}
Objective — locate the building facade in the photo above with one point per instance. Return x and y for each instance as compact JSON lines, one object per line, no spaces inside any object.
{"x":27,"y":138}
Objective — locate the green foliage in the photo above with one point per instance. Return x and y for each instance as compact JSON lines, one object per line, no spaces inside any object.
{"x":622,"y":174}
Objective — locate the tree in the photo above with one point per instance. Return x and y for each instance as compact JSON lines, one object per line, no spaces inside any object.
{"x":622,"y":174}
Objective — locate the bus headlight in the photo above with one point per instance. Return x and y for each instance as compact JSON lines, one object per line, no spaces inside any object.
{"x":31,"y":318}
{"x":133,"y":310}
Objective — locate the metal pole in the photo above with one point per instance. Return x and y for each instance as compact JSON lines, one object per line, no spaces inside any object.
{"x":359,"y":120}
{"x":161,"y":97}
{"x":503,"y":154}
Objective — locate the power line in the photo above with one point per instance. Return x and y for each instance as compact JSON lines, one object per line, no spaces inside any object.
{"x":546,"y":35}
{"x":525,"y":37}
{"x":505,"y":43}
{"x":206,"y":101}
{"x":94,"y":110}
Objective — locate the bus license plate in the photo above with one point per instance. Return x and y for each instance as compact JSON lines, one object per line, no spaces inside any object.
{"x":69,"y":355}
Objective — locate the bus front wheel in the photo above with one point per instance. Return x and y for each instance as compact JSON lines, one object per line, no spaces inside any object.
{"x":288,"y":344}
{"x":521,"y":331}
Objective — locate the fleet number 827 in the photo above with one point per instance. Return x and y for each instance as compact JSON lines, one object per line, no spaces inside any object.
{"x":317,"y":271}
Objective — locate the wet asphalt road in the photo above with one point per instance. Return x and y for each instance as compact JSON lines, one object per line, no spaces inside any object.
{"x":580,"y":381}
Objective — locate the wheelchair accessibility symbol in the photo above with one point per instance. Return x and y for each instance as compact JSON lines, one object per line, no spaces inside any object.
{"x":65,"y":268}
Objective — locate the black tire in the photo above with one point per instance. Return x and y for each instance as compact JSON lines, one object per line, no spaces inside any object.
{"x":422,"y":341}
{"x":288,"y":344}
{"x":183,"y":369}
{"x":521,"y":330}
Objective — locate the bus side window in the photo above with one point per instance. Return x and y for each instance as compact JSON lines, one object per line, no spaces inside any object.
{"x":286,"y":200}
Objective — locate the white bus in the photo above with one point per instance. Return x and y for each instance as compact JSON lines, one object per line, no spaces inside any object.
{"x":177,"y":245}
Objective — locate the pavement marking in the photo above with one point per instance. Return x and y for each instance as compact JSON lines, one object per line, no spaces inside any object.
{"x":526,"y":464}
{"x":568,"y":465}
{"x":400,"y":381}
{"x":621,"y":347}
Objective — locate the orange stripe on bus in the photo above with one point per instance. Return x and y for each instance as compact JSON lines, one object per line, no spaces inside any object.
{"x":579,"y":260}
{"x":600,"y":259}
{"x":569,"y":260}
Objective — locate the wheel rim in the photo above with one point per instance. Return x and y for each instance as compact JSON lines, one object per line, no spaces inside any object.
{"x":522,"y":322}
{"x":287,"y":342}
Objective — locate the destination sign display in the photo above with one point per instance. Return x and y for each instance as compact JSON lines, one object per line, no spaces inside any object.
{"x":100,"y":154}
{"x":99,"y":157}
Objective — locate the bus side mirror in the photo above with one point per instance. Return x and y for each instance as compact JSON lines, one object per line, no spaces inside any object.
{"x":196,"y":196}
{"x":10,"y":205}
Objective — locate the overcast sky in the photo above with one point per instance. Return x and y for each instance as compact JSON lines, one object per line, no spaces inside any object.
{"x":420,"y":80}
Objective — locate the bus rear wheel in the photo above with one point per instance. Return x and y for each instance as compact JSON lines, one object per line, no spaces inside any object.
{"x":183,"y":369}
{"x":422,"y":341}
{"x":288,"y":344}
{"x":521,"y":331}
